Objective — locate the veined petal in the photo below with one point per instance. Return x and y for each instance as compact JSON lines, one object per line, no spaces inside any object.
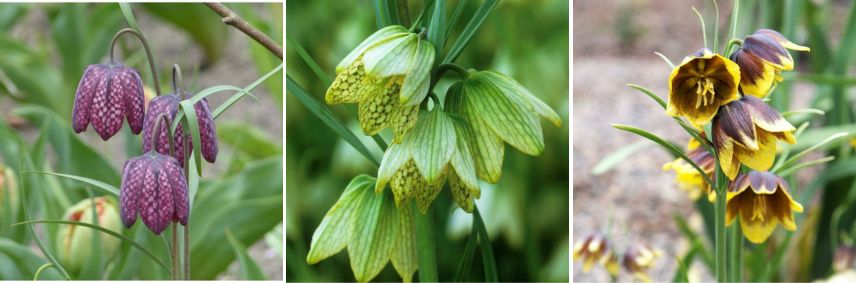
{"x":415,"y":87}
{"x":371,"y":241}
{"x":406,"y":182}
{"x":511,"y":86}
{"x":404,"y":258}
{"x":426,"y":196}
{"x":505,"y":114}
{"x":434,"y":142}
{"x":332,"y":234}
{"x":403,"y":120}
{"x":392,"y":57}
{"x":394,"y":158}
{"x":487,"y":148}
{"x":462,"y":160}
{"x":379,"y":36}
{"x":132,"y":93}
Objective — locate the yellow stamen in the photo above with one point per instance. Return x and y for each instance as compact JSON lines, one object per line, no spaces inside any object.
{"x":759,"y":208}
{"x":703,"y":87}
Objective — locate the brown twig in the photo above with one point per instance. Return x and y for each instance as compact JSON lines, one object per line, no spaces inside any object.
{"x":232,"y":19}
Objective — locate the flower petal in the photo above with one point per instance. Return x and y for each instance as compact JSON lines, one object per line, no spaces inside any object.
{"x":178,"y":185}
{"x":415,"y":87}
{"x":406,"y":182}
{"x":207,"y":130}
{"x":352,"y":85}
{"x":84,"y":96}
{"x":379,"y":36}
{"x":108,"y":106}
{"x":132,"y":92}
{"x":762,"y":158}
{"x":394,"y":158}
{"x":375,"y":112}
{"x":434,"y":142}
{"x":131,"y":188}
{"x":391,"y":57}
{"x":150,"y":205}
{"x":510,"y":86}
{"x":505,"y":114}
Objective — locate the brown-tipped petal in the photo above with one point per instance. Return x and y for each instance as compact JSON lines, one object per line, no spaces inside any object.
{"x":756,"y":77}
{"x":778,"y":37}
{"x":129,"y":195}
{"x":150,"y":202}
{"x":108,"y":106}
{"x":765,"y":117}
{"x":83,"y":97}
{"x":131,"y":87}
{"x":767,"y":49}
{"x":207,"y":130}
{"x":763,"y":182}
{"x":736,"y":123}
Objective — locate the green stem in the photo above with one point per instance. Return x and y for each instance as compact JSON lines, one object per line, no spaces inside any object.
{"x":149,"y":55}
{"x":174,"y":255}
{"x":425,"y":250}
{"x":735,"y":253}
{"x":719,"y":217}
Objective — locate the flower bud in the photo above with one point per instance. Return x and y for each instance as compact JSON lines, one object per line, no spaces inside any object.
{"x":74,"y":244}
{"x":8,"y":195}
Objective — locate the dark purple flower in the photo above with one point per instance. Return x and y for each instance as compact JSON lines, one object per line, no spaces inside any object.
{"x":169,"y":104}
{"x":154,"y":187}
{"x":106,"y":94}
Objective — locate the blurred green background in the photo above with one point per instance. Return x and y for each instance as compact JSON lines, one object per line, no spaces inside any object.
{"x":44,"y":49}
{"x":525,"y":213}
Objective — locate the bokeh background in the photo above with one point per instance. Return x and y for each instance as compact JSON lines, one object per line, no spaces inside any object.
{"x":525,"y":213}
{"x":44,"y":49}
{"x":614,"y":45}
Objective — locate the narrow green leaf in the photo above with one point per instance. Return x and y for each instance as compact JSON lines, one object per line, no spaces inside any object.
{"x":42,"y":268}
{"x":104,"y":187}
{"x":456,"y":15}
{"x":427,"y":9}
{"x":129,"y":15}
{"x":193,"y":124}
{"x":793,"y":159}
{"x":320,"y":111}
{"x":463,"y":270}
{"x":250,"y":270}
{"x":102,"y":230}
{"x":437,"y":28}
{"x":694,"y":237}
{"x":32,"y":226}
{"x":682,"y":274}
{"x":192,"y":183}
{"x":381,"y":11}
{"x":470,"y":30}
{"x":650,"y":94}
{"x":617,"y":157}
{"x":797,"y":167}
{"x":490,"y":274}
{"x":325,"y":78}
{"x":667,"y":145}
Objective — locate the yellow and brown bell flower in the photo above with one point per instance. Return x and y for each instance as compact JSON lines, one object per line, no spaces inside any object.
{"x":595,"y":248}
{"x":745,"y":132}
{"x":762,"y":57}
{"x":638,"y":259}
{"x":700,"y":85}
{"x":761,"y":200}
{"x":687,"y":177}
{"x":434,"y":151}
{"x":388,"y":75}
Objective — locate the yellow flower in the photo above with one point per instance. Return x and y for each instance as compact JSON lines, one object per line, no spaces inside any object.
{"x":746,"y":131}
{"x":595,"y":249}
{"x":639,"y":258}
{"x":700,"y":85}
{"x":388,"y":75}
{"x":761,"y":208}
{"x":762,"y":57}
{"x":688,"y":179}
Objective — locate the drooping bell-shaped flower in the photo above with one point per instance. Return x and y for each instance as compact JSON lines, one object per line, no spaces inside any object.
{"x":106,"y":95}
{"x":169,"y":104}
{"x":745,"y":132}
{"x":700,"y":85}
{"x":762,"y":57}
{"x":639,"y":258}
{"x":761,"y":200}
{"x":688,"y":178}
{"x":497,"y":110}
{"x":596,"y":248}
{"x":419,"y":166}
{"x":153,"y":187}
{"x":388,"y":74}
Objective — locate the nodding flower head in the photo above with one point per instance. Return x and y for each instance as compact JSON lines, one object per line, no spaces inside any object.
{"x":106,"y":95}
{"x":169,"y":104}
{"x":639,"y":258}
{"x":688,"y":178}
{"x":596,"y":248}
{"x":761,"y":200}
{"x":762,"y":57}
{"x":700,"y":85}
{"x":388,"y":74}
{"x":154,"y":187}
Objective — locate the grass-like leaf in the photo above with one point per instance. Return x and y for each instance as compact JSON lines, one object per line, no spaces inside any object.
{"x":32,"y":226}
{"x":667,"y":145}
{"x":490,"y":274}
{"x":437,"y":28}
{"x":129,"y":16}
{"x":463,"y":270}
{"x":324,"y":114}
{"x":456,"y":15}
{"x":193,"y":124}
{"x":107,"y":188}
{"x":617,"y":157}
{"x":250,"y":270}
{"x":470,"y":30}
{"x":309,"y":61}
{"x":102,"y":230}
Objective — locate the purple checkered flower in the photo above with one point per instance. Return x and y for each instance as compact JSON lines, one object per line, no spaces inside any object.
{"x":169,"y":104}
{"x":154,"y":187}
{"x":106,"y":95}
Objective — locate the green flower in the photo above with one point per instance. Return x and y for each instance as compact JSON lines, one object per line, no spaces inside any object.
{"x":388,"y":74}
{"x":371,"y":228}
{"x":436,"y":150}
{"x":74,"y":244}
{"x":498,"y":109}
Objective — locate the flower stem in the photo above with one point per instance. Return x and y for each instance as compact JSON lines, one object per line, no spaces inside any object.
{"x":719,"y":219}
{"x":176,"y":80}
{"x":736,"y":250}
{"x":174,"y":251}
{"x":187,"y":251}
{"x":149,"y":55}
{"x":453,"y":67}
{"x":425,"y":251}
